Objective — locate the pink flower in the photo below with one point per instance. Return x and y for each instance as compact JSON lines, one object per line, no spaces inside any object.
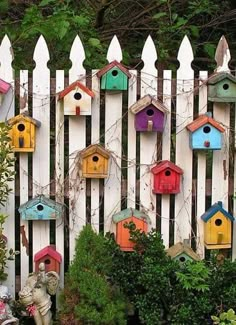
{"x":31,"y":309}
{"x":2,"y":308}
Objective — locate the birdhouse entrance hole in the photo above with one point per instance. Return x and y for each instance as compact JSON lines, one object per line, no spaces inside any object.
{"x":167,"y":172}
{"x":225,"y":86}
{"x":47,"y":261}
{"x":39,"y":207}
{"x":77,"y":96}
{"x":182,"y":259}
{"x":21,"y":127}
{"x":150,"y":112}
{"x":115,"y":73}
{"x":218,"y":222}
{"x":206,"y":129}
{"x":95,"y":158}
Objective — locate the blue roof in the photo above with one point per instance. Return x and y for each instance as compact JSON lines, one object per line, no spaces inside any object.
{"x":217,"y":207}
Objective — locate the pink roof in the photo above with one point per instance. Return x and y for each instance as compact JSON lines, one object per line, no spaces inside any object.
{"x":49,"y":250}
{"x":166,"y":164}
{"x":4,"y":86}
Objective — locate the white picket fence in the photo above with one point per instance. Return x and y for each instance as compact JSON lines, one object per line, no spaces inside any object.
{"x":101,"y":199}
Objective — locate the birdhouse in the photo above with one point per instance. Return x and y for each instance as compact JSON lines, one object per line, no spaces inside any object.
{"x":217,"y":227}
{"x":41,"y":208}
{"x":149,"y":114}
{"x":182,"y":253}
{"x":50,"y":257}
{"x":95,"y":160}
{"x":205,"y":133}
{"x":4,"y":86}
{"x":77,"y":99}
{"x":139,"y":219}
{"x":222,"y":88}
{"x":114,"y":76}
{"x":166,"y":178}
{"x":22,"y":132}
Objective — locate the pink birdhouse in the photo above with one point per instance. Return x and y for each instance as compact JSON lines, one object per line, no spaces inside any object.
{"x":4,"y":86}
{"x":50,"y":257}
{"x":166,"y":178}
{"x":77,"y":99}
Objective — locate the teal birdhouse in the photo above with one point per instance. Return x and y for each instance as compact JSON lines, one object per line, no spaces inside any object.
{"x":114,"y":76}
{"x":41,"y":208}
{"x":222,"y":88}
{"x":205,"y":133}
{"x":182,"y":253}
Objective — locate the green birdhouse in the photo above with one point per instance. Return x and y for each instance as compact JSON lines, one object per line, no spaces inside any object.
{"x":114,"y":76}
{"x":222,"y":88}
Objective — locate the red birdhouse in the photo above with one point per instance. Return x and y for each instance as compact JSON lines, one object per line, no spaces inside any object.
{"x":4,"y":86}
{"x":166,"y":178}
{"x":50,"y":257}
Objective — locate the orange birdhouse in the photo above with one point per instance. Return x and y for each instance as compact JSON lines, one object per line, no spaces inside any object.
{"x":50,"y":257}
{"x":217,"y":227}
{"x":22,"y":132}
{"x":77,"y":99}
{"x":95,"y":161}
{"x":124,"y":217}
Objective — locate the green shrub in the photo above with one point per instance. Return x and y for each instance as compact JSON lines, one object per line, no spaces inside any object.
{"x":89,"y":297}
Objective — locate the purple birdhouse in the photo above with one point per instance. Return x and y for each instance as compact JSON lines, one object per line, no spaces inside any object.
{"x":149,"y":114}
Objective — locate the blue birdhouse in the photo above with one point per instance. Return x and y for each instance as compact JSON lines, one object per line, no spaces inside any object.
{"x":205,"y":133}
{"x":222,"y":88}
{"x":41,"y":208}
{"x":182,"y":253}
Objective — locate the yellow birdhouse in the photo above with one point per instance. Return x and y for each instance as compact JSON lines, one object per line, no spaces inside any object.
{"x":95,"y":161}
{"x":217,"y":227}
{"x":22,"y":132}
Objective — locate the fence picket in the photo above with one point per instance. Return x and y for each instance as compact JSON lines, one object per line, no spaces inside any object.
{"x":113,"y":134}
{"x":148,"y":140}
{"x":77,"y":142}
{"x":166,"y":144}
{"x":24,"y":190}
{"x":41,"y":156}
{"x":184,"y":115}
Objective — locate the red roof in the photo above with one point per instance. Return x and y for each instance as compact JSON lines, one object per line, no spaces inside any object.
{"x":164,"y":164}
{"x":71,"y":87}
{"x":111,"y":65}
{"x":202,"y":120}
{"x":49,"y":250}
{"x":4,"y":86}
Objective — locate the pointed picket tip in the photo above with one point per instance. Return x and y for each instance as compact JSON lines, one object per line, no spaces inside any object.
{"x":77,"y":50}
{"x":185,"y":54}
{"x":149,"y":54}
{"x":41,"y":53}
{"x":6,"y":48}
{"x":114,"y":50}
{"x":222,"y":55}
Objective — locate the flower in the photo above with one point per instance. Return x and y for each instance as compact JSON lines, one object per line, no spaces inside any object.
{"x":31,"y":309}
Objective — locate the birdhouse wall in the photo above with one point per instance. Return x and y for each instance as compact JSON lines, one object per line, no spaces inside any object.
{"x":22,"y":136}
{"x":95,"y":166}
{"x":217,"y":231}
{"x":167,"y":181}
{"x":183,"y":257}
{"x":123,"y":235}
{"x":114,"y":79}
{"x":151,"y":114}
{"x":222,"y":91}
{"x":40,"y":212}
{"x":77,"y":102}
{"x":50,"y":264}
{"x":205,"y":138}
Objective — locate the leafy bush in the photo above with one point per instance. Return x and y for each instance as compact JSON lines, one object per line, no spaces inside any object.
{"x":89,"y":297}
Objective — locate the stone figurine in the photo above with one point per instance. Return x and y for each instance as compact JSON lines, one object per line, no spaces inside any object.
{"x":35,"y":295}
{"x":6,"y":316}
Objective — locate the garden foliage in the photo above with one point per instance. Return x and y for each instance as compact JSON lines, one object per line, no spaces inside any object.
{"x":160,"y":290}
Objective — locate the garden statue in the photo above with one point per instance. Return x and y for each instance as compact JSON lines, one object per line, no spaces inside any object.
{"x":35,"y":295}
{"x":6,"y":316}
